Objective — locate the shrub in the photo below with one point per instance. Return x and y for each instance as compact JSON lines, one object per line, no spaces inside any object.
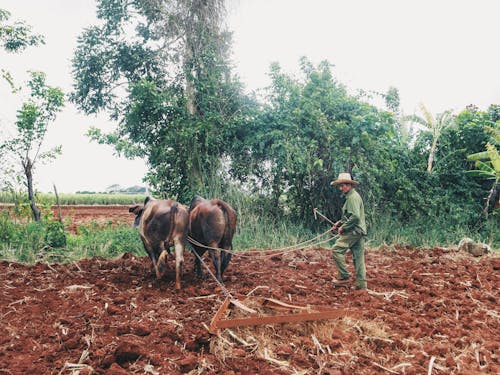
{"x":55,"y":235}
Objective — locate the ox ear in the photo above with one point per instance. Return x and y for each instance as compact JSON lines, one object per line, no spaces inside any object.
{"x":137,"y":210}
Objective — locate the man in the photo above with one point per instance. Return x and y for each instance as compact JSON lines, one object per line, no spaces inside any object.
{"x":352,"y":231}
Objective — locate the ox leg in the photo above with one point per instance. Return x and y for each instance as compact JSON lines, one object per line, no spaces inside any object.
{"x":149,"y":250}
{"x":197,"y":261}
{"x":179,"y":262}
{"x":161,"y":264}
{"x":226,"y":258}
{"x":159,"y":257}
{"x":216,"y":259}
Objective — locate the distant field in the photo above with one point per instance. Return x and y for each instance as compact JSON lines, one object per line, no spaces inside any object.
{"x":77,"y":199}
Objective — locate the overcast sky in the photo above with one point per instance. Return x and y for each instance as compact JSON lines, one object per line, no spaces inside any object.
{"x":443,"y":53}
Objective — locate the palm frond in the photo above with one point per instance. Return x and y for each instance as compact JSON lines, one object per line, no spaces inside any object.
{"x":478,"y":156}
{"x":429,"y":119}
{"x":494,"y":157}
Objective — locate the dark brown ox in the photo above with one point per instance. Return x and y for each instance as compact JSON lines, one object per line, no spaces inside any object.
{"x":162,"y":224}
{"x":212,"y":223}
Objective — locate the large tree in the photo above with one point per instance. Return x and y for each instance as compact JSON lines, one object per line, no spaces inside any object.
{"x":161,"y":70}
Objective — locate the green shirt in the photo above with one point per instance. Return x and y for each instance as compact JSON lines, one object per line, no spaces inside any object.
{"x":353,"y":213}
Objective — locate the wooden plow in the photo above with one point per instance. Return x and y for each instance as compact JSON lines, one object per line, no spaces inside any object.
{"x":305,"y":313}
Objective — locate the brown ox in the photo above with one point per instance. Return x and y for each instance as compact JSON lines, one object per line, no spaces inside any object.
{"x":163,"y":223}
{"x":212,"y":223}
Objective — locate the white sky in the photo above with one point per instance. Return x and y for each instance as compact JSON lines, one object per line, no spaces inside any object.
{"x":443,"y":53}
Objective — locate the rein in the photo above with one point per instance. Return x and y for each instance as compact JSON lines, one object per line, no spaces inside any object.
{"x":273,"y":252}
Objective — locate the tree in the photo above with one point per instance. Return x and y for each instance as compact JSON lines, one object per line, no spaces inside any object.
{"x":17,"y":36}
{"x":14,"y":37}
{"x":488,"y":165}
{"x":308,"y":131}
{"x":435,"y":126}
{"x":168,"y":85}
{"x":32,"y":124}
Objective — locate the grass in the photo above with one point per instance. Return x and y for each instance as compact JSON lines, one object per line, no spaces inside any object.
{"x":432,"y":233}
{"x":31,"y":242}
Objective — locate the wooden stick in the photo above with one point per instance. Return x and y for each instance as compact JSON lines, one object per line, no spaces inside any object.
{"x":59,"y":214}
{"x":385,"y":368}
{"x":431,"y":364}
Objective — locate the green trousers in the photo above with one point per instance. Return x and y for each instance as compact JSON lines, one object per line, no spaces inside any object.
{"x":356,"y":243}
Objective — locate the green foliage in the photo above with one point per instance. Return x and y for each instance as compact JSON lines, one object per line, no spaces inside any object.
{"x":435,"y":126}
{"x":31,"y":127}
{"x":431,"y":233}
{"x":181,"y":106}
{"x":488,"y":166}
{"x":105,"y":242}
{"x":21,"y":241}
{"x":7,"y":228}
{"x":260,"y":231}
{"x":29,"y":242}
{"x":55,"y":236}
{"x":16,"y":36}
{"x":308,"y":132}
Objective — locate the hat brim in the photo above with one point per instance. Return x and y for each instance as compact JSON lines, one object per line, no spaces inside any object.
{"x":338,"y":182}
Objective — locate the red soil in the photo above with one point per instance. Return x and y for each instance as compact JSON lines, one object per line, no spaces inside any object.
{"x":424,"y":308}
{"x":75,"y":215}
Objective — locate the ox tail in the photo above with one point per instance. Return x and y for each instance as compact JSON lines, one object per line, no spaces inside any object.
{"x":173,"y":212}
{"x":228,"y":235}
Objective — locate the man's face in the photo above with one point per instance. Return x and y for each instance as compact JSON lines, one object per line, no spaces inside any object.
{"x":344,"y":188}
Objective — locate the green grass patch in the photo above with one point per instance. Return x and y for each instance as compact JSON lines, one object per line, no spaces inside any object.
{"x":433,"y":232}
{"x":47,"y":241}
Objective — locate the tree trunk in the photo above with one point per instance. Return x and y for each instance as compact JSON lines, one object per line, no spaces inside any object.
{"x":59,"y":214}
{"x":190,"y":90}
{"x":430,"y":161}
{"x":28,"y":171}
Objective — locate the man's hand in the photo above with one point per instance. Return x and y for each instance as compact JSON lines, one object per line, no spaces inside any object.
{"x":340,"y":230}
{"x":336,"y":225}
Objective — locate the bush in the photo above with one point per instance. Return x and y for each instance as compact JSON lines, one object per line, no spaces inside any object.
{"x":55,"y":236}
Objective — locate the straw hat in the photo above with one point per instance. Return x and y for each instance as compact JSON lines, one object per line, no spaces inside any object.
{"x":344,"y":178}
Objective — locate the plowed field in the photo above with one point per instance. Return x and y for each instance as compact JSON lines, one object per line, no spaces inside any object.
{"x":76,"y":215}
{"x":426,"y":311}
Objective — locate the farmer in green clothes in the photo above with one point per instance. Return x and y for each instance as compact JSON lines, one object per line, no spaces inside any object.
{"x":352,"y":231}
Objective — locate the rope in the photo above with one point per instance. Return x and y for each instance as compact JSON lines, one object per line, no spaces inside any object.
{"x":291,"y":250}
{"x":296,"y":246}
{"x":222,"y":287}
{"x":277,"y":251}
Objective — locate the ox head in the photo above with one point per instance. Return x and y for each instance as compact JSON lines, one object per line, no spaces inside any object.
{"x":137,"y":211}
